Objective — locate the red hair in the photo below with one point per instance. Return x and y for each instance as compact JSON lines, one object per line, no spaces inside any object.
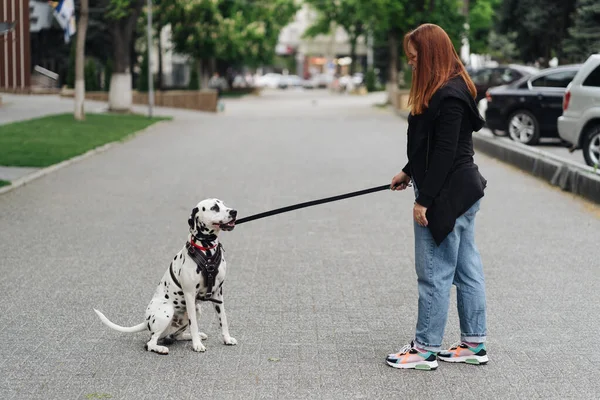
{"x":437,"y":63}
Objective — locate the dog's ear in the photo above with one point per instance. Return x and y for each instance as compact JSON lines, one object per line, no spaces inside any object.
{"x":192,"y":220}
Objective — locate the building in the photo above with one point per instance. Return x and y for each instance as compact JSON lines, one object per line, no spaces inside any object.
{"x":15,"y":51}
{"x":322,"y":54}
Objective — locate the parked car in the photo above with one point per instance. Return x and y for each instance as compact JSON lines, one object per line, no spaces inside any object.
{"x":487,"y":77}
{"x":270,"y":80}
{"x":580,"y":123}
{"x":529,"y":108}
{"x":287,"y":81}
{"x":318,"y":81}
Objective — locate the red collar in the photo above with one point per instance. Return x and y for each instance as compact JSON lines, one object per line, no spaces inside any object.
{"x":201,"y":247}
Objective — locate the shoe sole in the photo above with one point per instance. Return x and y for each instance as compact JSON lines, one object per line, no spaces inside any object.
{"x":422,"y":366}
{"x":473,"y":360}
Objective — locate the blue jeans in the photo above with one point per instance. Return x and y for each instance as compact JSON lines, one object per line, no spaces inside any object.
{"x":456,"y":261}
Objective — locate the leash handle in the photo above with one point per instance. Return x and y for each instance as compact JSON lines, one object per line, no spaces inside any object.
{"x":311,"y":203}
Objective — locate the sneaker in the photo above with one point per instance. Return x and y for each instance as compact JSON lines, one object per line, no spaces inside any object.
{"x":462,"y":352}
{"x":410,"y":357}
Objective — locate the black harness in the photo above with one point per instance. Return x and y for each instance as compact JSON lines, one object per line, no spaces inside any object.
{"x":208,"y":266}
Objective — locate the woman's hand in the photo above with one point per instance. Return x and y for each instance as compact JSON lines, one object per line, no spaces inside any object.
{"x":400,"y":181}
{"x":419,"y":214}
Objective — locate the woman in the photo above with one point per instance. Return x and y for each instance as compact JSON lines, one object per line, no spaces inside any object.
{"x":448,"y":189}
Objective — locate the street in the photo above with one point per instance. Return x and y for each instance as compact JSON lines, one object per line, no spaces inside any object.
{"x":316,"y":298}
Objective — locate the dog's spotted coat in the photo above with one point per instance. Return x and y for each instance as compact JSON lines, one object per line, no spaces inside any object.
{"x":174,"y":312}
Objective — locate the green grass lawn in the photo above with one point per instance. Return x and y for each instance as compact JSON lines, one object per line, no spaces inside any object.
{"x":49,"y":140}
{"x":4,"y":183}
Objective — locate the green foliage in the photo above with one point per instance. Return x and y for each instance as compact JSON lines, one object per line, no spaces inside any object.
{"x":91,"y":76}
{"x":108,"y":68}
{"x":237,"y":31}
{"x":120,"y":9}
{"x":481,"y":22}
{"x":352,"y":15}
{"x":502,"y":48}
{"x":143,"y":83}
{"x":539,"y":26}
{"x":584,"y":36}
{"x":371,"y":80}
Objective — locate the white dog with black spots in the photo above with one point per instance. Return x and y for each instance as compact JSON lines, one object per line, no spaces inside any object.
{"x":174,"y":311}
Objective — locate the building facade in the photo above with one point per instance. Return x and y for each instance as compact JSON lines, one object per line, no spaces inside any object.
{"x":322,"y":54}
{"x":15,"y":53}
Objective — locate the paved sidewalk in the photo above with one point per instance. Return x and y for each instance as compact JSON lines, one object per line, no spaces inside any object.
{"x":316,"y":298}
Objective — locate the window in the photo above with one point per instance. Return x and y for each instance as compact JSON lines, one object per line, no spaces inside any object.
{"x":496,"y":77}
{"x":593,"y":78}
{"x":555,"y":80}
{"x":482,"y":77}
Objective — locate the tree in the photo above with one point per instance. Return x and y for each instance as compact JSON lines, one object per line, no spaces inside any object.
{"x":584,"y":36}
{"x":79,"y":113}
{"x":122,"y":16}
{"x":235,"y":31}
{"x":502,"y":48}
{"x":351,"y":15}
{"x":392,"y":19}
{"x":539,"y":26}
{"x":481,"y":23}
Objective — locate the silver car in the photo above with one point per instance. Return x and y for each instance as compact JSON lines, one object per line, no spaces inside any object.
{"x":580,"y":121}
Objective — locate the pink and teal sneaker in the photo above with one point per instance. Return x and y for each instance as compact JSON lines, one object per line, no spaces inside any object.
{"x":463,"y":353}
{"x":409,"y":357}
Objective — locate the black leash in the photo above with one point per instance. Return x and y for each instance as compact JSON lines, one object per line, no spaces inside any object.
{"x":311,"y":203}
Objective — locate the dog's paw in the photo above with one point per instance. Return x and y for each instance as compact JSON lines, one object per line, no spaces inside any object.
{"x":158,"y":349}
{"x":199,"y":347}
{"x":203,"y":335}
{"x":230,"y":341}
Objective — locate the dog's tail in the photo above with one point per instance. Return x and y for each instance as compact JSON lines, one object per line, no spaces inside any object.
{"x":137,"y":328}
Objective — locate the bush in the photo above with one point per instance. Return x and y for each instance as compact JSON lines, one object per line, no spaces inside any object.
{"x":371,"y":80}
{"x":194,"y":78}
{"x":108,"y":68}
{"x":143,"y":77}
{"x":90,"y":76}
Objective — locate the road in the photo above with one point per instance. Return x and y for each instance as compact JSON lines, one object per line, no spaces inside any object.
{"x":316,"y":298}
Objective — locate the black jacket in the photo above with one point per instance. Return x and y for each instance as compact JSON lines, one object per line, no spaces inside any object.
{"x":440,"y":156}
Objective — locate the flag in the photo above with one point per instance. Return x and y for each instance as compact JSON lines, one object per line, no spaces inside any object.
{"x":64,"y":12}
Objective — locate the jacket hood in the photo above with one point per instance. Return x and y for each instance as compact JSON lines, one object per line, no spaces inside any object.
{"x":456,"y":87}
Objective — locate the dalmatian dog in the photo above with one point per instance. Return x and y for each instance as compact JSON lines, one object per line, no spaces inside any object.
{"x":195,"y":275}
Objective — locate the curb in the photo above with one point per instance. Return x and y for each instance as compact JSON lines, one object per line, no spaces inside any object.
{"x":570,"y":176}
{"x":55,"y":167}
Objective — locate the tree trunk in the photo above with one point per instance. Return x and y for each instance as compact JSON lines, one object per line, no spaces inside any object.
{"x":353,"y":41}
{"x":120,"y":97}
{"x":203,"y":73}
{"x":79,"y":113}
{"x":160,"y":61}
{"x":393,"y":66}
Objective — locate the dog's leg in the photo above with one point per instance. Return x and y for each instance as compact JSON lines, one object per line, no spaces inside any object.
{"x":220,"y":309}
{"x":159,"y":321}
{"x":185,"y":334}
{"x":190,"y":301}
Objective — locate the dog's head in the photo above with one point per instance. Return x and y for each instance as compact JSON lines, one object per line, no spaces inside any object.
{"x":210,"y":216}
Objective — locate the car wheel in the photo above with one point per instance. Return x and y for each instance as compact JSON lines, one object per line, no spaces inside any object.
{"x":591,"y":145}
{"x":523,"y":127}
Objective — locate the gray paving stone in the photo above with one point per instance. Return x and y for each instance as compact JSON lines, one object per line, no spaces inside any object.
{"x":328,"y":291}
